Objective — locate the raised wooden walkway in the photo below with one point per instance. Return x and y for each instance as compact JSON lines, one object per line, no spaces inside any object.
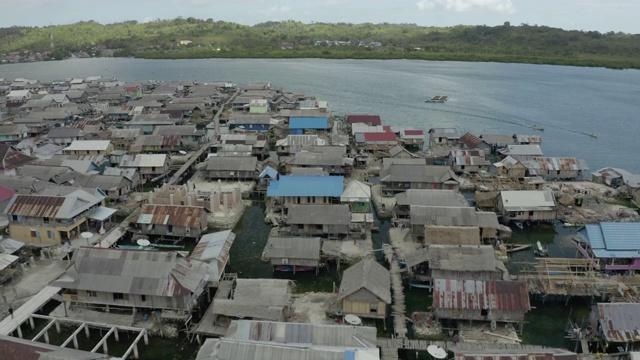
{"x":398,"y":307}
{"x":21,"y":314}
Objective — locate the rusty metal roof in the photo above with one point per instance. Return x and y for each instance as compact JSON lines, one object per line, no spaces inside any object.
{"x":187,"y":216}
{"x":35,"y":206}
{"x":620,"y":321}
{"x":555,"y":164}
{"x":478,"y":295}
{"x":471,"y":141}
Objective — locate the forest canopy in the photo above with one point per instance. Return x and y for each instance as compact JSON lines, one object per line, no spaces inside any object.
{"x":197,"y":38}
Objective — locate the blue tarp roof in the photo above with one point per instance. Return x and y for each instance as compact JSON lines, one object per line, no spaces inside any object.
{"x":306,"y":186}
{"x":268,"y":171}
{"x":613,"y":239}
{"x":309,"y":123}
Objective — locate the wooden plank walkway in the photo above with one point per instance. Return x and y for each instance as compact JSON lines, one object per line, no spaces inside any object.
{"x":176,"y":176}
{"x":21,"y":314}
{"x":398,"y":306}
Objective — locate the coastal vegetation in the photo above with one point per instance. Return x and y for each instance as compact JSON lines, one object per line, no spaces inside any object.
{"x":190,"y":38}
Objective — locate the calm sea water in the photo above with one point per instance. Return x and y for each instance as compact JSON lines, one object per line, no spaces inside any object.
{"x":568,"y":102}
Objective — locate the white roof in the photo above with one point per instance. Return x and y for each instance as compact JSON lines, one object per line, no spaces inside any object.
{"x":356,"y":191}
{"x":527,"y":200}
{"x":144,"y":160}
{"x":521,"y":150}
{"x":6,"y":260}
{"x":95,"y":145}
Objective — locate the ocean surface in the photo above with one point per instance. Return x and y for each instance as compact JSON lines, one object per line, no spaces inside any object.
{"x":486,"y":98}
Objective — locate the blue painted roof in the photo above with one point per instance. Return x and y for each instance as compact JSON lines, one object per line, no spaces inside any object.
{"x":268,"y":171}
{"x":306,"y":186}
{"x":309,"y":123}
{"x":350,"y":355}
{"x":613,"y":239}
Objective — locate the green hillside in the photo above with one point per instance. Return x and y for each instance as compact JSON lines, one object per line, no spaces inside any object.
{"x":290,"y":39}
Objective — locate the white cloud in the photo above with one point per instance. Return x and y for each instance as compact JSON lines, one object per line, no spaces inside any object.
{"x":505,"y":6}
{"x":278,"y":9}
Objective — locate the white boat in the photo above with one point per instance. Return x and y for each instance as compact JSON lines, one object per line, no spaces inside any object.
{"x":541,"y":250}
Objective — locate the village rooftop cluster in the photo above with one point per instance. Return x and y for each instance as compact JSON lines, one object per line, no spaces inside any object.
{"x":106,"y":186}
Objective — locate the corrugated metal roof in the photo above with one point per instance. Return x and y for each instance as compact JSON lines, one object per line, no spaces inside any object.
{"x":471,"y":141}
{"x":540,"y":165}
{"x":214,"y":246}
{"x":526,"y":200}
{"x":7,"y":259}
{"x":463,"y":258}
{"x":449,"y":133}
{"x":613,"y":239}
{"x":331,"y":214}
{"x":417,"y":173}
{"x":144,"y":160}
{"x":367,"y":119}
{"x":232,"y":163}
{"x":309,"y":123}
{"x":441,"y":215}
{"x":186,"y":216}
{"x":478,"y":295}
{"x":620,"y":321}
{"x":88,"y":145}
{"x":523,"y":150}
{"x":383,"y":137}
{"x":356,"y":191}
{"x":293,"y":248}
{"x":366,"y":274}
{"x":306,"y":186}
{"x":134,"y":272}
{"x":298,"y":334}
{"x":430,"y":197}
{"x":35,"y":206}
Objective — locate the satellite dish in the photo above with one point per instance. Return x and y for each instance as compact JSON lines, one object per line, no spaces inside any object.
{"x":352,"y":319}
{"x":143,"y":242}
{"x":86,"y":235}
{"x":182,"y":152}
{"x":437,"y":352}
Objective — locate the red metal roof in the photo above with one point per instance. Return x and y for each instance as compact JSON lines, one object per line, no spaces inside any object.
{"x":380,"y":136}
{"x":478,"y":294}
{"x":414,"y":132}
{"x":367,"y":119}
{"x":6,"y":193}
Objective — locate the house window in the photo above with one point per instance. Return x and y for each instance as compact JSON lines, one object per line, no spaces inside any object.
{"x":34,"y":233}
{"x":51,"y":234}
{"x":118,"y":296}
{"x":14,"y":217}
{"x":318,"y":227}
{"x":143,"y":297}
{"x":46,"y":220}
{"x":373,"y":307}
{"x":92,"y":294}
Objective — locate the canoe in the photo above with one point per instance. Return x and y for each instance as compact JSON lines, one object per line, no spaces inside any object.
{"x":420,"y":285}
{"x":514,"y":248}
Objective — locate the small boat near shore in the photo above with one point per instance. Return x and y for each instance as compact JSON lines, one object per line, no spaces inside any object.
{"x":511,"y":248}
{"x":540,"y":250}
{"x":420,"y":284}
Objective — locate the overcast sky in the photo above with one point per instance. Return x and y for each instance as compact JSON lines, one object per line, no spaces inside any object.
{"x":601,"y":15}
